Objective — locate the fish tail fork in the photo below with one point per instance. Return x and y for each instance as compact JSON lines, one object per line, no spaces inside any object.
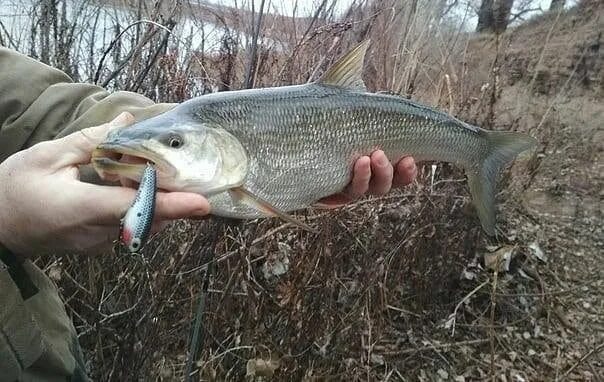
{"x":503,"y":147}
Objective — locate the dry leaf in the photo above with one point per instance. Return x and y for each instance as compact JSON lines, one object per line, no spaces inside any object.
{"x":54,"y":273}
{"x":443,"y":374}
{"x":377,"y":359}
{"x":261,"y":367}
{"x":500,"y":259}
{"x":538,"y":252}
{"x":277,"y":263}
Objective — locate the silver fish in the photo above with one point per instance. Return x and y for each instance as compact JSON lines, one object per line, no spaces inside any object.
{"x":136,"y":224}
{"x":266,"y":152}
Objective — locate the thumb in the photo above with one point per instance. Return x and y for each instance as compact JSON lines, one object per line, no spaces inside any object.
{"x":76,"y":148}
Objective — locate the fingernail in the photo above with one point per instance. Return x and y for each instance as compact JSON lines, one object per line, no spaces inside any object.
{"x":382,"y":161}
{"x":202,"y":212}
{"x":122,"y":119}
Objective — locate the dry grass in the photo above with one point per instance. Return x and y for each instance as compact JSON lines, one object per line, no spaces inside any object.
{"x":394,"y":288}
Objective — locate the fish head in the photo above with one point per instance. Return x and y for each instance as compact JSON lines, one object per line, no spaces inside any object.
{"x":189,"y":155}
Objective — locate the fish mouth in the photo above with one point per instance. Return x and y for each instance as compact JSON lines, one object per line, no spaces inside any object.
{"x":106,"y":161}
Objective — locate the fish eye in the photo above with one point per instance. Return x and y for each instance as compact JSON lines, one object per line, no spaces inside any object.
{"x":175,"y":141}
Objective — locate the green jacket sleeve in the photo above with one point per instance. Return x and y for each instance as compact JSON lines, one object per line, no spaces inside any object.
{"x":38,"y":103}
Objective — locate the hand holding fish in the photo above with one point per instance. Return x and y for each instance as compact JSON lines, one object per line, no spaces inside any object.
{"x":49,"y":208}
{"x":374,"y":175}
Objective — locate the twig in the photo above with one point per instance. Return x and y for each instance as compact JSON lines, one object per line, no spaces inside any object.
{"x":197,"y":334}
{"x":466,"y":297}
{"x":557,"y":363}
{"x":150,"y":63}
{"x":270,"y":233}
{"x":595,"y":350}
{"x":107,"y":317}
{"x":192,"y":367}
{"x":302,"y":40}
{"x":542,"y":294}
{"x":492,"y":325}
{"x":449,"y":93}
{"x":518,"y":15}
{"x":438,"y":346}
{"x":251,"y":69}
{"x":403,"y":310}
{"x":97,"y":75}
{"x":11,"y":43}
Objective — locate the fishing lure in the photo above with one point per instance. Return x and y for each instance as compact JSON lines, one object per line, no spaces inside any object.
{"x":136,"y":224}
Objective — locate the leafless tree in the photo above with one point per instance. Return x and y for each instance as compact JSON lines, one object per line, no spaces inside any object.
{"x":556,"y":5}
{"x":485,"y":16}
{"x":494,"y":15}
{"x":256,"y":25}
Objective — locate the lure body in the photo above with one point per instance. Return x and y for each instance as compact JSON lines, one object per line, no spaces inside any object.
{"x":136,"y":224}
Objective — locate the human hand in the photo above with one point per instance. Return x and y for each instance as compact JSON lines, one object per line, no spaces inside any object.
{"x":374,"y":175}
{"x":46,"y":207}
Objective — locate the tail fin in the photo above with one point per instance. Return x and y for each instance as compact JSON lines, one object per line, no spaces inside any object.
{"x":504,"y":146}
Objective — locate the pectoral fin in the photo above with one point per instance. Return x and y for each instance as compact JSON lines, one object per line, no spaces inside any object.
{"x":266,"y":208}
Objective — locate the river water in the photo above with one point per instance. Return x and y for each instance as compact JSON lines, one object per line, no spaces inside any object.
{"x":95,"y":25}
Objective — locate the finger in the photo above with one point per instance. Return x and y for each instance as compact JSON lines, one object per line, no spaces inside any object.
{"x":356,"y":188}
{"x":76,"y":148}
{"x":360,"y":178}
{"x":101,"y":205}
{"x":382,"y":171}
{"x":106,"y":205}
{"x":405,"y":172}
{"x":180,"y":205}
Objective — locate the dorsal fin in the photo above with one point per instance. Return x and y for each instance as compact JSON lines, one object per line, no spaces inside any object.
{"x":347,"y":71}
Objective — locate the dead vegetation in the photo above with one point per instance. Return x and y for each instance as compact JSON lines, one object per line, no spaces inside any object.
{"x":405,"y":287}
